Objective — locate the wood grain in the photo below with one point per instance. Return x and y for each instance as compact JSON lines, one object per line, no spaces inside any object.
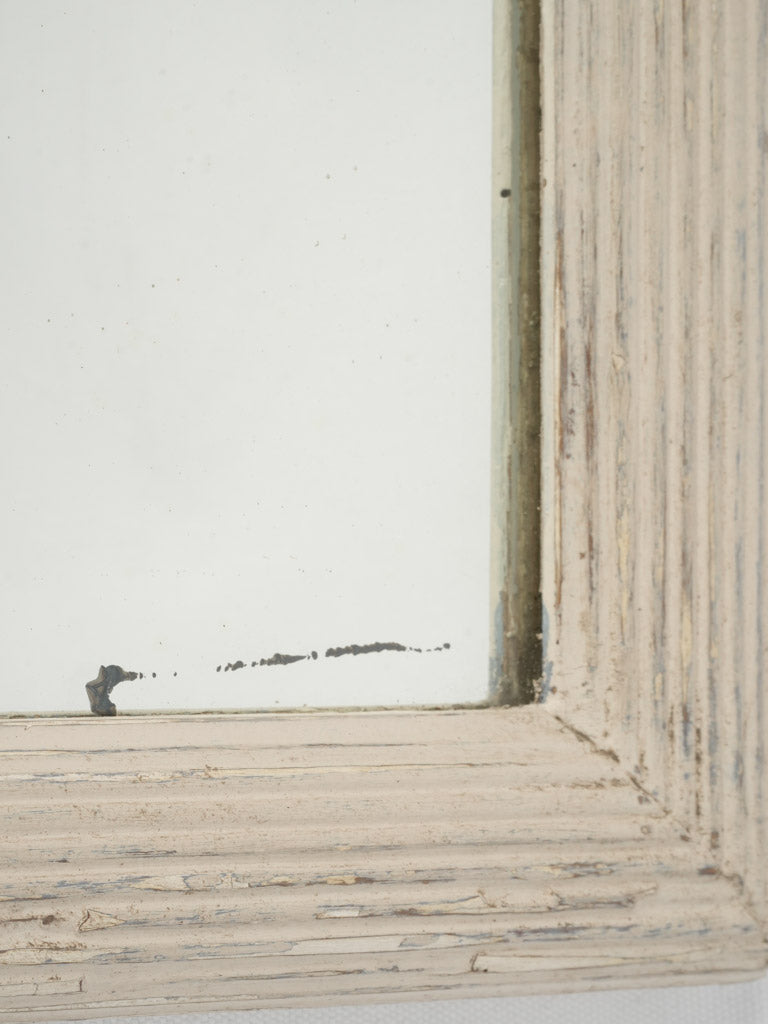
{"x":614,"y":836}
{"x":221,"y":861}
{"x":655,"y":279}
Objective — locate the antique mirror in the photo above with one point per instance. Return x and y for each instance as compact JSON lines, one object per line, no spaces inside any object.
{"x":271,"y":426}
{"x":246,"y":388}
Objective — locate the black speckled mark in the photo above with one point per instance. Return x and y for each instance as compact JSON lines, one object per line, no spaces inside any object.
{"x":332,"y":652}
{"x":109,"y":676}
{"x":376,"y":648}
{"x":283,"y":659}
{"x":338,"y":652}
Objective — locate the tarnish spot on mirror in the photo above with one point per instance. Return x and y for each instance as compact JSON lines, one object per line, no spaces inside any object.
{"x":338,"y":652}
{"x":109,"y":676}
{"x":283,"y":659}
{"x":99,"y":689}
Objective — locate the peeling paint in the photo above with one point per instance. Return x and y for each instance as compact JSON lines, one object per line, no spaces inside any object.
{"x":95,"y":920}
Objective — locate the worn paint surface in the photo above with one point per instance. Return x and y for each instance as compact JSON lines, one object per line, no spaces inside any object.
{"x":616,"y":835}
{"x":655,"y":282}
{"x":263,"y":860}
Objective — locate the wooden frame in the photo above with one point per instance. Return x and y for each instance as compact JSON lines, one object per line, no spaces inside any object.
{"x":612,"y":835}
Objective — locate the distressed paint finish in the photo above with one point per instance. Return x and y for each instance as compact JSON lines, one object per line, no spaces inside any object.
{"x":610,"y":838}
{"x":655,"y":233}
{"x":261,"y":860}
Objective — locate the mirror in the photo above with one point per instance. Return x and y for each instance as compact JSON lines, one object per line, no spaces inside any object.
{"x":246,"y":369}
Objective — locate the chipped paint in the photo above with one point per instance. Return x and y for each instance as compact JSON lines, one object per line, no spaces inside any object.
{"x":95,"y":920}
{"x":668,"y":892}
{"x":660,"y":455}
{"x":433,"y":836}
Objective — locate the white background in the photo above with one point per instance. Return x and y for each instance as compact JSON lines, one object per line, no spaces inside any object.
{"x":244,"y":365}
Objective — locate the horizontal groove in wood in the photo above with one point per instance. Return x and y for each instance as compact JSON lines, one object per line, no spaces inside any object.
{"x":293,"y":925}
{"x":283,"y":811}
{"x":351,"y":864}
{"x":193,"y":784}
{"x":282,"y":877}
{"x":350,"y":937}
{"x":245,"y":898}
{"x":470,"y":863}
{"x":550,"y":839}
{"x":251,"y":731}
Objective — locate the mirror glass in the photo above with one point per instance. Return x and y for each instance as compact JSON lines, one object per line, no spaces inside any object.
{"x":245,"y":387}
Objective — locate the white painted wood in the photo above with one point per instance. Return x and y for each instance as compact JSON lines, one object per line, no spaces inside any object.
{"x":655,"y":286}
{"x":210,"y":862}
{"x":612,"y":837}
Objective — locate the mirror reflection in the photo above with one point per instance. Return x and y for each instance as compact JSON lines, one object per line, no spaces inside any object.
{"x":246,"y":364}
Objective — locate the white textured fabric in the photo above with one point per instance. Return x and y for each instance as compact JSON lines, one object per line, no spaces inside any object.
{"x":706,"y":1004}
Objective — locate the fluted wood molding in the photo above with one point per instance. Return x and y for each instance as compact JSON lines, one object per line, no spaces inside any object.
{"x":613,"y":835}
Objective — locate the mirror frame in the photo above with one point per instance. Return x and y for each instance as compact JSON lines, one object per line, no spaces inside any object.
{"x":612,"y":835}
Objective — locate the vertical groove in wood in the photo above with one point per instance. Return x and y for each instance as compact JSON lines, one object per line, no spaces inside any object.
{"x":698,"y":124}
{"x":590,"y":240}
{"x":656,"y":396}
{"x":567,"y":551}
{"x":641,"y":704}
{"x":714,"y":221}
{"x":608,"y":494}
{"x":757,"y":765}
{"x":728,"y":354}
{"x":676,"y":626}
